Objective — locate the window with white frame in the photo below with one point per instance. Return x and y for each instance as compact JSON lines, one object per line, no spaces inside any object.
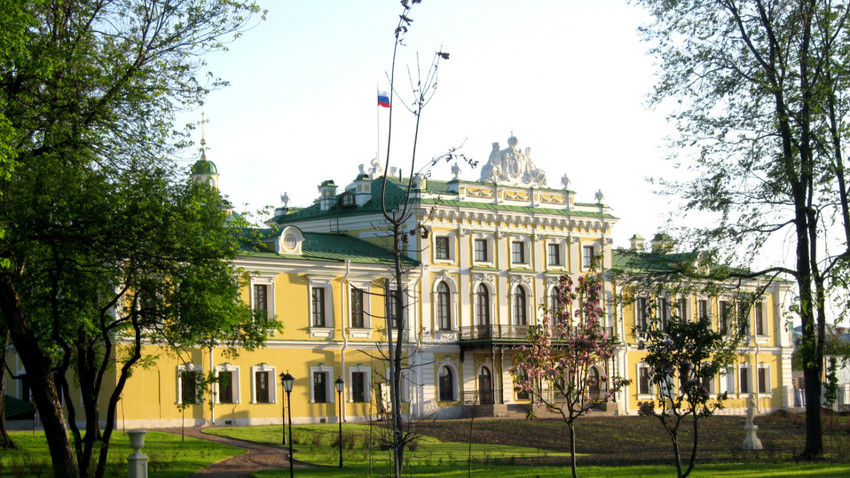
{"x":226,"y":387}
{"x":663,"y":313}
{"x":360,"y":380}
{"x":745,"y":378}
{"x":744,"y":317}
{"x":758,"y":308}
{"x":703,"y":310}
{"x":482,"y":305}
{"x":442,"y":248}
{"x":358,"y":313}
{"x":641,"y":314}
{"x":729,"y":382}
{"x":644,"y":382}
{"x":262,"y":297}
{"x":481,"y":250}
{"x":263,"y":381}
{"x":318,"y":307}
{"x":393,"y":299}
{"x":520,"y":306}
{"x":444,"y":308}
{"x":189,"y":378}
{"x":763,"y":379}
{"x":682,"y":308}
{"x":554,"y":302}
{"x":725,"y":316}
{"x":708,"y":384}
{"x":587,"y":255}
{"x":518,"y":255}
{"x":321,"y":387}
{"x":446,"y":384}
{"x":553,"y":254}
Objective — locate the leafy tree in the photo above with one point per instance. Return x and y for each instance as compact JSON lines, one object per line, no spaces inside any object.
{"x":761,"y":93}
{"x":562,"y":355}
{"x":683,"y":358}
{"x":106,"y":243}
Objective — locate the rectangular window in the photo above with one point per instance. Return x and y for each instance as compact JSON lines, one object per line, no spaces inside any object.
{"x":518,"y":252}
{"x":358,"y":387}
{"x":318,"y":298}
{"x":723,"y":320}
{"x":644,"y":385}
{"x":702,"y":306}
{"x":763,"y":380}
{"x":663,"y":313}
{"x":261,"y":300}
{"x":744,"y":318}
{"x":320,"y":387}
{"x":441,"y":248}
{"x":225,"y":387}
{"x":744,"y":380}
{"x":759,"y":310}
{"x":261,"y":387}
{"x":640,"y":314}
{"x":587,"y":257}
{"x":357,"y":313}
{"x":394,"y":298}
{"x":189,"y":386}
{"x":481,"y":253}
{"x":554,"y":254}
{"x":682,"y":308}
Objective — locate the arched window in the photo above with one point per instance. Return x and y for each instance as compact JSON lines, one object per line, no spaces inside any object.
{"x":444,"y":316}
{"x":485,"y":386}
{"x":554,"y":303}
{"x":446,"y":382}
{"x":520,"y":315}
{"x":482,"y":305}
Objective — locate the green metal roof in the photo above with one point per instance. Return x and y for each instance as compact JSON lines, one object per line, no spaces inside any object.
{"x":324,"y":247}
{"x":204,"y":166}
{"x":18,"y":408}
{"x":396,"y":189}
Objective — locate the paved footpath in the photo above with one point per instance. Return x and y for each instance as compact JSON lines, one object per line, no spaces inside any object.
{"x":257,"y":457}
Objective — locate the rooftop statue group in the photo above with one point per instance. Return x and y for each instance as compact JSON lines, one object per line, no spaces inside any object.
{"x":512,"y":166}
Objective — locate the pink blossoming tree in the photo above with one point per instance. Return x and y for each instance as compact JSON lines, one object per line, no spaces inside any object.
{"x":563,"y":354}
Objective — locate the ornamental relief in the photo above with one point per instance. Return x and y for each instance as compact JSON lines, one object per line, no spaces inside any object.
{"x":519,"y":279}
{"x":485,"y":278}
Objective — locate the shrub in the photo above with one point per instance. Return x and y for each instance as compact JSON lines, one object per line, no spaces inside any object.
{"x":646,"y":409}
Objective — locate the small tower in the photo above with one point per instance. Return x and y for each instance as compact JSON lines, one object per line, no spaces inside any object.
{"x":662,"y":243}
{"x":327,"y":194}
{"x":204,"y":170}
{"x":362,"y":188}
{"x":637,"y":243}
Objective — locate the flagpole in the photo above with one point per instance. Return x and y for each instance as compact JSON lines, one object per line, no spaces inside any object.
{"x":378,"y":124}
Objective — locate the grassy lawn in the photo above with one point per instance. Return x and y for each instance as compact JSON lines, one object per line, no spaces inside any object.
{"x":169,"y":457}
{"x":317,"y":444}
{"x":649,"y":471}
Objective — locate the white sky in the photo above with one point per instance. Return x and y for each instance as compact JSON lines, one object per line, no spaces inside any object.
{"x":568,"y":77}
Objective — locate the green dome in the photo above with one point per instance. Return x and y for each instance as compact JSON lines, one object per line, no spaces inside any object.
{"x":204,"y":166}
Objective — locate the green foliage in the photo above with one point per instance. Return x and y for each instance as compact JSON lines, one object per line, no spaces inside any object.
{"x":105,"y":243}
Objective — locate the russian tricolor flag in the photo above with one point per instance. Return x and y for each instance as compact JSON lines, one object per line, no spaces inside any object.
{"x":383,"y":99}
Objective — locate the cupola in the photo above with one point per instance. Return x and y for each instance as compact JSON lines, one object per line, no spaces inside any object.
{"x":327,"y":194}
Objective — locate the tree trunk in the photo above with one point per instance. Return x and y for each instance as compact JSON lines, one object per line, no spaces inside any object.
{"x":572,"y":448}
{"x":38,"y":366}
{"x":5,"y":439}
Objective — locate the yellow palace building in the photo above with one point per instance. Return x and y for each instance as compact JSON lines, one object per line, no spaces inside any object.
{"x":492,"y":252}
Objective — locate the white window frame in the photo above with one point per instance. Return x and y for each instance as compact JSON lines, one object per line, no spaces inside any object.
{"x":328,"y":329}
{"x":404,"y":386}
{"x":367,"y":310}
{"x":642,"y":395}
{"x":489,"y":240}
{"x":367,"y":383}
{"x":330,"y":391}
{"x":266,"y":281}
{"x":435,"y":305}
{"x":683,"y":314}
{"x":760,"y":309}
{"x":525,"y":244}
{"x":450,"y":236}
{"x":712,"y":386}
{"x":727,"y":385}
{"x":768,"y":390}
{"x":529,"y":318}
{"x":455,"y":379}
{"x":272,"y":382}
{"x":642,"y":317}
{"x":585,"y":266}
{"x":491,"y":303}
{"x":237,"y":396}
{"x":189,"y":367}
{"x":708,"y":306}
{"x":750,"y":383}
{"x":562,"y":259}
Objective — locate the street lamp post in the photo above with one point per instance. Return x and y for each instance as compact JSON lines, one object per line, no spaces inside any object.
{"x":339,"y":384}
{"x":287,"y":380}
{"x":282,"y":412}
